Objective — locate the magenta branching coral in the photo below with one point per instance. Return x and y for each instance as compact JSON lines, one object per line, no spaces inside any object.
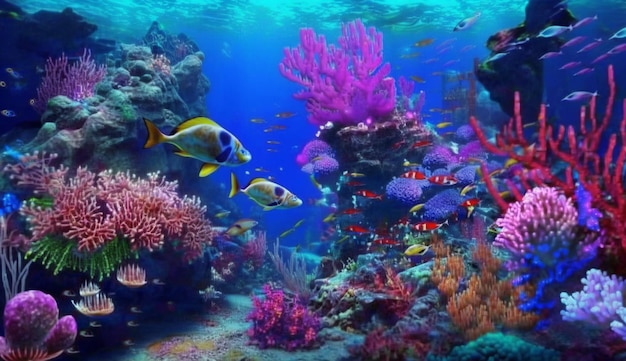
{"x":278,"y":322}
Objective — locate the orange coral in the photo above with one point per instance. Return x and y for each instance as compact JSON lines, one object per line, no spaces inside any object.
{"x":487,"y":302}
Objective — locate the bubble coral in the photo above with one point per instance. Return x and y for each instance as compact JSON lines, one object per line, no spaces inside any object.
{"x":314,"y":149}
{"x":406,"y":191}
{"x":325,"y":165}
{"x":33,"y":330}
{"x":439,"y":157}
{"x":464,"y":134}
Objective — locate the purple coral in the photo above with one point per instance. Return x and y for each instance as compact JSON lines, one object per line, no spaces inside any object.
{"x":465,"y":133}
{"x":343,"y":84}
{"x":312,"y":150}
{"x":439,"y":157}
{"x":281,"y":323}
{"x":442,"y":205}
{"x":325,"y":165}
{"x":406,"y":191}
{"x":33,"y":330}
{"x":466,"y":175}
{"x":472,"y":149}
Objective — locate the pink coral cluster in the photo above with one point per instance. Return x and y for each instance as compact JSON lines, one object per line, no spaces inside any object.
{"x":279,"y":323}
{"x":94,"y":209}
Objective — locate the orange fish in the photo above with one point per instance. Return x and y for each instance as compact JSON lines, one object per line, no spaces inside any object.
{"x":355,"y":229}
{"x":428,"y":226}
{"x":413,"y":174}
{"x":385,"y":241}
{"x":398,"y":144}
{"x":444,"y":180}
{"x":351,"y":211}
{"x":423,"y":42}
{"x":368,"y":194}
{"x":354,"y":183}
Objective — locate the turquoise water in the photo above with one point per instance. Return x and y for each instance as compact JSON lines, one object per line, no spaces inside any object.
{"x":387,"y":233}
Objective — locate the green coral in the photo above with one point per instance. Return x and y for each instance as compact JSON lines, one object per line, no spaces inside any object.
{"x":59,"y":253}
{"x":497,"y":346}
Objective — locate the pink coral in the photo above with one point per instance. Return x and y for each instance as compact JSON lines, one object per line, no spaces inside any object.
{"x":94,"y":209}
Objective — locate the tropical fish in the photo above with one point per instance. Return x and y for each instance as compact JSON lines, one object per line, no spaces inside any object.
{"x":428,"y":226}
{"x":466,"y":23}
{"x":417,"y":79}
{"x":470,"y":202}
{"x":467,"y":189}
{"x":257,"y":120}
{"x":284,"y":115}
{"x":421,"y":143}
{"x":203,"y":139}
{"x":416,"y":207}
{"x":222,"y":214}
{"x":367,"y":194}
{"x":86,"y":333}
{"x":496,"y":57}
{"x":443,"y":125}
{"x":554,"y":30}
{"x":416,"y":250}
{"x":132,"y":324}
{"x":617,"y":49}
{"x":356,"y":229}
{"x":583,"y":71}
{"x":590,"y":46}
{"x":620,"y":34}
{"x":571,"y":64}
{"x":573,"y":41}
{"x":586,"y":21}
{"x":8,"y":113}
{"x":241,"y":226}
{"x":265,"y":193}
{"x":444,"y":180}
{"x":329,"y":218}
{"x":95,"y":324}
{"x":550,"y":54}
{"x":287,"y":232}
{"x":413,"y":174}
{"x":423,"y":42}
{"x":579,"y":95}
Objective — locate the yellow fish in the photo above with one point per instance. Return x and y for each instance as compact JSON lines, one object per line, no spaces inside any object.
{"x":287,"y":232}
{"x":329,"y":218}
{"x":265,"y":193}
{"x":298,"y":223}
{"x":222,"y":214}
{"x":241,"y":226}
{"x":202,"y":139}
{"x":416,"y":250}
{"x":444,"y":124}
{"x":467,"y":188}
{"x":416,"y":207}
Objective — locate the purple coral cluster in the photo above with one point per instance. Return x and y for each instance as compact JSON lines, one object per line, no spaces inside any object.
{"x":317,"y":157}
{"x":442,"y":205}
{"x":465,"y":133}
{"x":404,"y":190}
{"x":33,"y":330}
{"x":439,"y":157}
{"x":344,"y":84}
{"x":281,"y":323}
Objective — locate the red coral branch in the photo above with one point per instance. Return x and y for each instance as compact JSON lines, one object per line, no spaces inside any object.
{"x":578,"y":149}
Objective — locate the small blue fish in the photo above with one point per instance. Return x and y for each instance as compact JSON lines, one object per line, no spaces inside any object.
{"x":579,"y":95}
{"x":554,"y":30}
{"x":619,"y":35}
{"x":496,"y":57}
{"x":8,"y":113}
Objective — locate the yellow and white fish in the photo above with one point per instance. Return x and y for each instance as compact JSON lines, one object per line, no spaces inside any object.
{"x":241,"y":226}
{"x":203,"y":139}
{"x":265,"y":193}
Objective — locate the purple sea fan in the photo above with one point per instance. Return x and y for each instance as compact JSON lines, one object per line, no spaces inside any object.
{"x":404,"y":190}
{"x":442,"y":205}
{"x":439,"y":157}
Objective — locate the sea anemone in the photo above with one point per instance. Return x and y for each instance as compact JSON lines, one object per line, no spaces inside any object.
{"x":94,"y":306}
{"x":131,"y":276}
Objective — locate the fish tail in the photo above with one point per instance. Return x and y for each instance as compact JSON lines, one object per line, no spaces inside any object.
{"x":234,"y":185}
{"x":154,"y":134}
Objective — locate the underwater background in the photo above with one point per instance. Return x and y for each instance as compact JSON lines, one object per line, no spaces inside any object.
{"x":312,"y":180}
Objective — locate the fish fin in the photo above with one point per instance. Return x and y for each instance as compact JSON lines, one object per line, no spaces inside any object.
{"x":193,"y":122}
{"x":234,"y":185}
{"x":268,"y":208}
{"x":207,"y":169}
{"x":154,"y":134}
{"x":182,"y":153}
{"x":224,"y":155}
